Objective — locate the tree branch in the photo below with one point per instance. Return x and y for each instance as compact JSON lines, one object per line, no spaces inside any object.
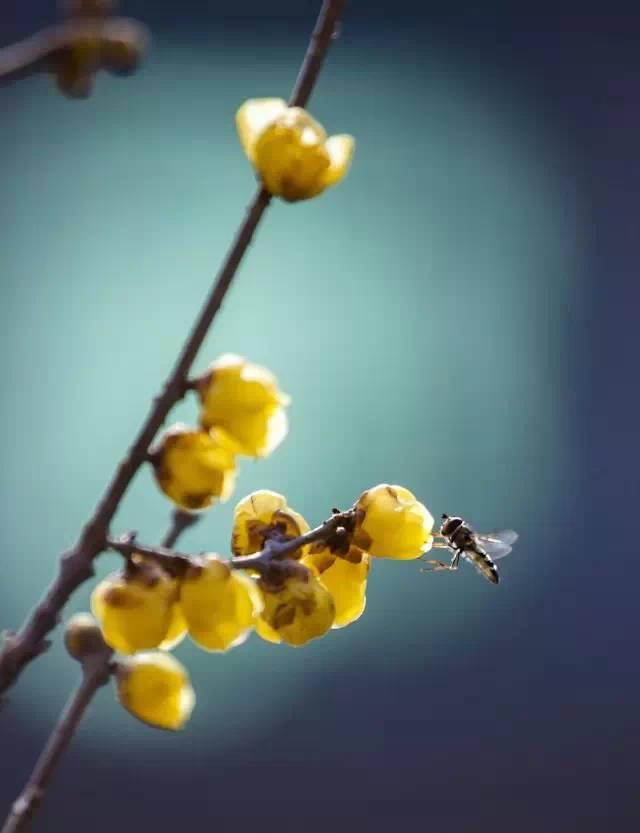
{"x":272,"y":561}
{"x":76,"y":565}
{"x":180,"y":522}
{"x":43,"y":51}
{"x":96,"y":671}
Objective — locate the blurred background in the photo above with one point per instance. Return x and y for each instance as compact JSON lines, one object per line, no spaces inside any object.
{"x":459,"y":317}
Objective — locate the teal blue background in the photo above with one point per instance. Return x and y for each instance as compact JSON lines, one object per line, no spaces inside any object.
{"x":426,"y":318}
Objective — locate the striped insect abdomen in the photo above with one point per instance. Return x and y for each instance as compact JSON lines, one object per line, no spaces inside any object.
{"x":483,"y":564}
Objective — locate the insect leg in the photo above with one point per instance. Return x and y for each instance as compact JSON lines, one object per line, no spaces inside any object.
{"x":455,"y":561}
{"x":438,"y":566}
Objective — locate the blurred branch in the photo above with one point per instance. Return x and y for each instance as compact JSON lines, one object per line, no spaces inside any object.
{"x":96,"y":671}
{"x":75,"y":50}
{"x":180,"y":522}
{"x":76,"y":564}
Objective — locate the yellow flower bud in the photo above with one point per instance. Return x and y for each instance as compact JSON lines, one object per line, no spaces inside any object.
{"x":82,"y":636}
{"x":177,"y":629}
{"x":194,"y":467}
{"x":345,"y":577}
{"x":155,"y":688}
{"x":135,"y":611}
{"x":296,"y":612}
{"x":220,"y":605}
{"x":245,"y":401}
{"x":391,"y":523}
{"x":290,"y":150}
{"x":261,"y":512}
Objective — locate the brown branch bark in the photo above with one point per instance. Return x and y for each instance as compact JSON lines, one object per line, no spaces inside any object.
{"x":42,"y":51}
{"x":95,"y":673}
{"x":76,"y":566}
{"x":96,"y":670}
{"x":180,"y":522}
{"x":269,"y":561}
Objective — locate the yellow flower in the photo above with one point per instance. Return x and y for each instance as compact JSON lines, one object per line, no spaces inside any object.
{"x":194,"y":467}
{"x":244,"y":400}
{"x":177,"y":629}
{"x":391,"y":523}
{"x":155,"y":688}
{"x":220,"y":605}
{"x":296,"y":612}
{"x":290,"y":150}
{"x":261,"y":512}
{"x":345,"y":577}
{"x":135,"y":611}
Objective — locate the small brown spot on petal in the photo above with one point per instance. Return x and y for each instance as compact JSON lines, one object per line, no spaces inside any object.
{"x":283,"y":615}
{"x":196,"y":500}
{"x":118,"y":597}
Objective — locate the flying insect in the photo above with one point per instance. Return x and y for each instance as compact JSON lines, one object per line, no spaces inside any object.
{"x":480,"y":549}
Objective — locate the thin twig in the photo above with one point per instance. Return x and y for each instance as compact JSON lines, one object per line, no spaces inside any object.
{"x":96,"y":671}
{"x":325,"y":29}
{"x":180,"y":522}
{"x":77,"y":564}
{"x":270,"y":560}
{"x":42,"y":51}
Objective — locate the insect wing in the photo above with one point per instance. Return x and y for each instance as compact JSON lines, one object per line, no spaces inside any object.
{"x":497,"y":544}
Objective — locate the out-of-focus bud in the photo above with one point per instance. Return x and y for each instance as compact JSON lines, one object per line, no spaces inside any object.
{"x":345,"y":577}
{"x":136,"y":611}
{"x":194,"y":467}
{"x":220,"y":605}
{"x":244,"y":399}
{"x":155,"y":688}
{"x":82,"y":636}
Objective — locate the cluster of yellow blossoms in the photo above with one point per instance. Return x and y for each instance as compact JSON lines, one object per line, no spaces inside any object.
{"x":219,"y":602}
{"x":150,"y":606}
{"x":242,"y":412}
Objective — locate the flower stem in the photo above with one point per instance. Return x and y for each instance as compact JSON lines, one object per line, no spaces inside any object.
{"x":180,"y":521}
{"x":269,"y":560}
{"x":76,"y":565}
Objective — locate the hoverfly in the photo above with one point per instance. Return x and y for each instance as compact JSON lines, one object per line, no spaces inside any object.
{"x":478,"y":549}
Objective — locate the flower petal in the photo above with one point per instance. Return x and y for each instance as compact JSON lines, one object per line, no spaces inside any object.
{"x":340,"y":150}
{"x":252,"y":118}
{"x":155,"y":688}
{"x":277,"y":429}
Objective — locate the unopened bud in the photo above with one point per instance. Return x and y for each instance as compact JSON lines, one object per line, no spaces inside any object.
{"x":82,"y":636}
